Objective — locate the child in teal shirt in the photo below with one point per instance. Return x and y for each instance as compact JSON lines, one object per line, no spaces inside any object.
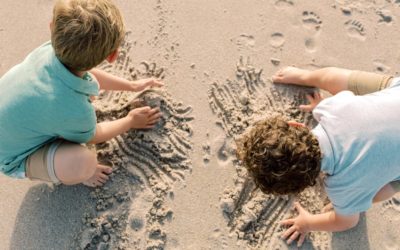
{"x":45,"y":108}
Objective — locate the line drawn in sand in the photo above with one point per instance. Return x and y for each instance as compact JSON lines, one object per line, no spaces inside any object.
{"x":131,"y":208}
{"x":251,"y":215}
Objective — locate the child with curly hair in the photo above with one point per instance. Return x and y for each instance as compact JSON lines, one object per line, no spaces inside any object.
{"x":355,"y":145}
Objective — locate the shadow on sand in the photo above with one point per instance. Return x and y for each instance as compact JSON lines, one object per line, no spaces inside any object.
{"x":357,"y":236}
{"x":49,"y":218}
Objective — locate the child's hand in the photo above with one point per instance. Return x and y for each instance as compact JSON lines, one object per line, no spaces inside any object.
{"x":314,"y":100}
{"x":144,"y":117}
{"x":142,"y":84}
{"x":299,"y":226}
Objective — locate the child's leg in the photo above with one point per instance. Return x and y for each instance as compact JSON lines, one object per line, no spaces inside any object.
{"x":66,"y":162}
{"x":387,"y":191}
{"x":75,"y":164}
{"x":330,"y":79}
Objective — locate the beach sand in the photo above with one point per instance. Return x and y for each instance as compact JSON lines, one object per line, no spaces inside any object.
{"x":180,"y":185}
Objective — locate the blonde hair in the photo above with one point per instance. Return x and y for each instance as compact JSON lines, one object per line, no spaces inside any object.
{"x":86,"y":32}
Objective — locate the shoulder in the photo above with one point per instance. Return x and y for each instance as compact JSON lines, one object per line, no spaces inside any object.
{"x":347,"y":196}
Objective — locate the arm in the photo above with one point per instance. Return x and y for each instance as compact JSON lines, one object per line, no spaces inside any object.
{"x":313,"y":100}
{"x":138,"y":118}
{"x":306,"y":222}
{"x":110,"y":129}
{"x":108,"y":81}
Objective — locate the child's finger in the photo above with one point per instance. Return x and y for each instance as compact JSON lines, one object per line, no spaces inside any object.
{"x":310,"y":98}
{"x":298,"y":207}
{"x":288,"y":232}
{"x":294,"y":236}
{"x":153,"y":111}
{"x":301,"y":240}
{"x":306,"y":108}
{"x":158,"y":83}
{"x":144,"y":109}
{"x":287,"y":222}
{"x":155,"y":116}
{"x":152,"y":122}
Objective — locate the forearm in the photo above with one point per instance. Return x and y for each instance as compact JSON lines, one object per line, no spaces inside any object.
{"x":107,"y":130}
{"x":332,"y":222}
{"x":108,"y":81}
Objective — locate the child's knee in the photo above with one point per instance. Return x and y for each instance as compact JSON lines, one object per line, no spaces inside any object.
{"x":87,"y":164}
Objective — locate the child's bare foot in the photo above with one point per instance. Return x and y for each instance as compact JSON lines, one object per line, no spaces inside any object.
{"x":291,"y":75}
{"x":327,"y":208}
{"x":100,"y":176}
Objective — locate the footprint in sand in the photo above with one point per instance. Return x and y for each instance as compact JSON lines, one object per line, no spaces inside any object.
{"x":311,"y":21}
{"x":355,"y":29}
{"x":283,"y":3}
{"x":310,"y":44}
{"x":223,"y":150}
{"x":245,"y":41}
{"x":206,"y":152}
{"x":385,"y":16}
{"x":277,"y":40}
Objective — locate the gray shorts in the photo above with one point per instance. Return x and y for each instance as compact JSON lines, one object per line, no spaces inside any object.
{"x":40,"y":164}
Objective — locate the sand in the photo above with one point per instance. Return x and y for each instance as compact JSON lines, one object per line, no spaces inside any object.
{"x":180,"y":185}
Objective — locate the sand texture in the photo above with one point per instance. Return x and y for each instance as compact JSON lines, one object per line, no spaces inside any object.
{"x":180,"y":185}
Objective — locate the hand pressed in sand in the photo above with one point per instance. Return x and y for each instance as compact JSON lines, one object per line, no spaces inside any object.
{"x":314,"y":100}
{"x":298,"y":227}
{"x":144,"y":117}
{"x":293,"y":75}
{"x":142,"y":84}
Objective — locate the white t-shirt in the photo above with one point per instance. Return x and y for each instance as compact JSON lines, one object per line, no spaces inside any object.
{"x":359,"y":138}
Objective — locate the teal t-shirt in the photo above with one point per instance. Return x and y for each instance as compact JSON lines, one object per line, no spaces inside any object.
{"x":40,"y":101}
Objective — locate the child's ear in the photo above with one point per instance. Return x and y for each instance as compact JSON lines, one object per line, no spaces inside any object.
{"x":113,"y":56}
{"x":51,"y":25}
{"x":295,"y":124}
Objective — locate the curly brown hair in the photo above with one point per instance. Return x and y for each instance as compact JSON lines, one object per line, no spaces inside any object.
{"x":282,"y":159}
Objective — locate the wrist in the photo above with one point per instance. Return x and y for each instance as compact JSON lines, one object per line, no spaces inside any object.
{"x":133,"y":86}
{"x":308,"y":223}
